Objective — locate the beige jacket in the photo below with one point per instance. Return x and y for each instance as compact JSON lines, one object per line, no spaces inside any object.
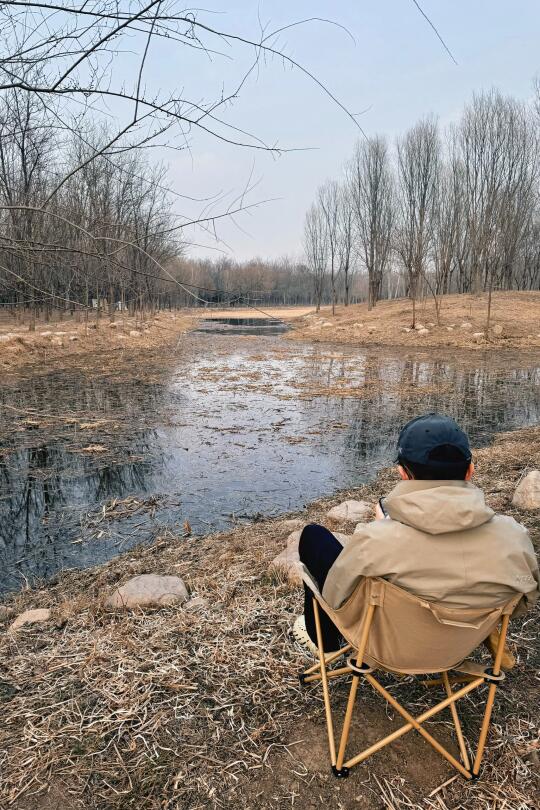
{"x":442,"y":543}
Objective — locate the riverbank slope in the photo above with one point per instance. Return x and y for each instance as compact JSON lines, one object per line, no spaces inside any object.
{"x":514,"y":323}
{"x":194,"y":708}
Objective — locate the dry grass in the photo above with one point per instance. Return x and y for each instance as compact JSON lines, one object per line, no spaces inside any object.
{"x":177,"y":708}
{"x":69,"y":342}
{"x":518,"y":313}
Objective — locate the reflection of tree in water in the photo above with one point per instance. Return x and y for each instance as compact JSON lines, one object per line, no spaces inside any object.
{"x":46,"y":482}
{"x":484,"y":400}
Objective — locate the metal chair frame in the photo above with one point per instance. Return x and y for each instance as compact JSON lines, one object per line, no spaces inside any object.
{"x":474,"y":677}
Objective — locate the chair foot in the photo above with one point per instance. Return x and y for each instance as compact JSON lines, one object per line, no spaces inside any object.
{"x":302,"y":678}
{"x":474,"y":776}
{"x":342,"y":773}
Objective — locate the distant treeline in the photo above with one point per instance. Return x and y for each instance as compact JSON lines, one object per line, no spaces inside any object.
{"x":438,"y":212}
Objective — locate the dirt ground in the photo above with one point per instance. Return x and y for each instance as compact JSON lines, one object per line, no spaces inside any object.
{"x":515,"y":323}
{"x":189,"y":709}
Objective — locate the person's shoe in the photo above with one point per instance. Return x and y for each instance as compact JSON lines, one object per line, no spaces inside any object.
{"x":508,"y":660}
{"x":301,"y":635}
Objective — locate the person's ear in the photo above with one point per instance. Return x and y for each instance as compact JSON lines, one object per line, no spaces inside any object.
{"x":470,"y":472}
{"x":403,"y":473}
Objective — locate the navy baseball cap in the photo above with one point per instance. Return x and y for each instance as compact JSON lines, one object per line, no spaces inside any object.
{"x":425,"y":434}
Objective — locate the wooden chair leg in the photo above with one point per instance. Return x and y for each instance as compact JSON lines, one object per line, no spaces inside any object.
{"x":457,"y":724}
{"x":490,"y":698}
{"x":347,"y":723}
{"x":324,"y":680}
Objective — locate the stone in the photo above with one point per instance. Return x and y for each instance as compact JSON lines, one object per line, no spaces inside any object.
{"x":419,"y":326}
{"x":196,"y":604}
{"x":449,"y":328}
{"x":497,"y":329}
{"x":73,"y":337}
{"x":6,"y":338}
{"x":292,"y":524}
{"x":351,"y":511}
{"x":405,"y":329}
{"x":287,"y":562}
{"x":134,"y":333}
{"x":326,"y":325}
{"x":30,"y":617}
{"x":423,"y":331}
{"x":113,"y":325}
{"x":527,"y":494}
{"x":148,"y":589}
{"x":466,"y":325}
{"x":430,"y":325}
{"x":478,"y":337}
{"x":57,"y":341}
{"x":45,"y":334}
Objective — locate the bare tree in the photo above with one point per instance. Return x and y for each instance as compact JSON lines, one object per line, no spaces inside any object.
{"x":328,"y":198}
{"x":345,"y":241}
{"x":317,"y":250}
{"x":372,"y":195}
{"x":499,"y":152}
{"x":418,"y":172}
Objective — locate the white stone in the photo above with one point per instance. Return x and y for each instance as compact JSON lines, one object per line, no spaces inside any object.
{"x":527,"y":494}
{"x":73,"y":337}
{"x":423,"y":331}
{"x":5,"y":338}
{"x":405,"y":329}
{"x":449,"y":328}
{"x":56,"y":341}
{"x":134,"y":333}
{"x":497,"y":329}
{"x":45,"y":334}
{"x":148,"y":589}
{"x":478,"y":336}
{"x":287,"y":562}
{"x":60,"y":334}
{"x":31,"y":617}
{"x":326,"y":325}
{"x":292,"y":524}
{"x":419,"y":326}
{"x":113,"y":325}
{"x":466,"y":325}
{"x":352,"y":511}
{"x":430,"y":325}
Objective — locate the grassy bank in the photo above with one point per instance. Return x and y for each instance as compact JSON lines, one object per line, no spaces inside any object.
{"x":174,"y":708}
{"x":515,"y":322}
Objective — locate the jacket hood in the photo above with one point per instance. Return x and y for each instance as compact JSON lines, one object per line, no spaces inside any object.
{"x":438,"y":507}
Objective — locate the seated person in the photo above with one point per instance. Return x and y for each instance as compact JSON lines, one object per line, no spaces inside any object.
{"x":433,"y":536}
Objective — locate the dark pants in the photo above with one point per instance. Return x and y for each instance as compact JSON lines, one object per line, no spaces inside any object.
{"x":319,"y":549}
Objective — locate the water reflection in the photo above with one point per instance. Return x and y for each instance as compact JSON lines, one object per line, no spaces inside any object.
{"x":235,"y":427}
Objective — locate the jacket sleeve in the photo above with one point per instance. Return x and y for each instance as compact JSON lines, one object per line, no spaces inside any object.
{"x":363,"y":556}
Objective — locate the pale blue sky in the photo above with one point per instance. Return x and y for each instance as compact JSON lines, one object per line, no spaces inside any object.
{"x":396,"y":67}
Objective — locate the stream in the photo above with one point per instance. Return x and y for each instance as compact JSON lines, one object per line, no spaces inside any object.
{"x":241,"y":423}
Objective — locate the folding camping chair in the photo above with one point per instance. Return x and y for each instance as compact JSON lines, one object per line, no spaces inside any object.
{"x":389,"y":629}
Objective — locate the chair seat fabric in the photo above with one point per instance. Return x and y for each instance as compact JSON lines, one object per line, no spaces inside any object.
{"x":409,"y":635}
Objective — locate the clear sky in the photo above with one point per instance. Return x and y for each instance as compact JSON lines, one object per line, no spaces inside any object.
{"x":391,"y":65}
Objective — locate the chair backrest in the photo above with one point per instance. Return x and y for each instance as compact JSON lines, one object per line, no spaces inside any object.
{"x":408,"y":634}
